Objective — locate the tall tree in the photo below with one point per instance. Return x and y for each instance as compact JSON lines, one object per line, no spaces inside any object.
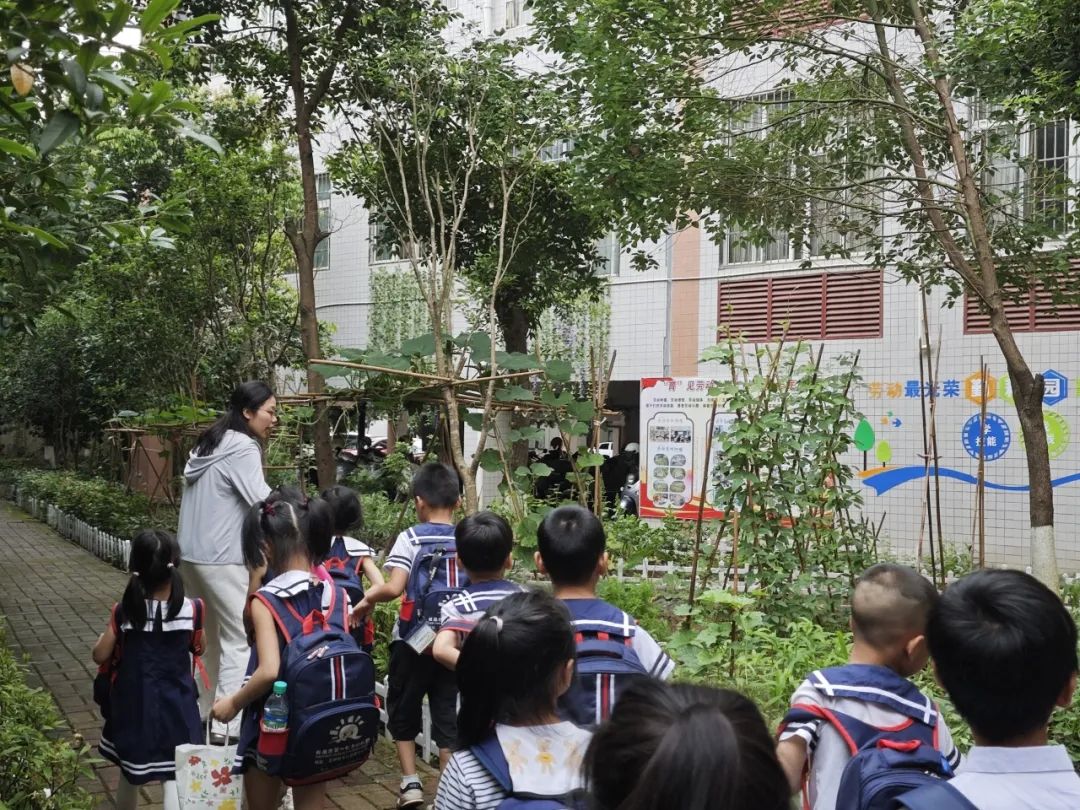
{"x":454,"y":154}
{"x":302,"y":57}
{"x":870,"y":108}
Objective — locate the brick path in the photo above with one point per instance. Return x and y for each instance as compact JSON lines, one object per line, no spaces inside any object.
{"x":55,"y":599}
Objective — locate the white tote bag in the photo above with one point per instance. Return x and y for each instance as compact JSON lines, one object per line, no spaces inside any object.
{"x":203,"y":778}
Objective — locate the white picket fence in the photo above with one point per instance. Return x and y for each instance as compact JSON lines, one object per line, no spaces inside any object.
{"x":108,"y":547}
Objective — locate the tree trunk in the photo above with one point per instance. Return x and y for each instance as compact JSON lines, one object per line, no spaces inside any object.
{"x":304,"y":241}
{"x":1028,"y":392}
{"x":515,"y":331}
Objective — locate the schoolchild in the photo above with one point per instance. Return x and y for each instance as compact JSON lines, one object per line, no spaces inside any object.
{"x":316,"y":527}
{"x":422,"y":565}
{"x":889,"y":609}
{"x":273,"y":536}
{"x":485,"y":543}
{"x":350,"y":560}
{"x":690,"y":747}
{"x":511,"y":742}
{"x":1004,"y":647}
{"x":146,"y":687}
{"x":571,"y":551}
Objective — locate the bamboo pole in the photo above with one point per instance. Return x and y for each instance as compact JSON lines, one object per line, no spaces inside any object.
{"x":927,"y":512}
{"x":980,"y":487}
{"x":701,"y":509}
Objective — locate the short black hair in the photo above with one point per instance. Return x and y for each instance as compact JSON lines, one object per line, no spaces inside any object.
{"x":691,"y":747}
{"x":345,"y":507}
{"x":890,"y":604}
{"x":1004,"y":647}
{"x":483,"y":541}
{"x":571,"y":542}
{"x":437,"y":485}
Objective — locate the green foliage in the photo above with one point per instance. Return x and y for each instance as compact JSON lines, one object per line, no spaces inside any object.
{"x":101,"y":504}
{"x":41,"y":765}
{"x":140,"y":328}
{"x":398,"y":313}
{"x":778,"y":474}
{"x":642,"y":601}
{"x":491,"y":200}
{"x":54,"y":203}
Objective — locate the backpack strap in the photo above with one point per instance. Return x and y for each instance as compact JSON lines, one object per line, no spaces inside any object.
{"x":197,"y":665}
{"x":489,"y":753}
{"x":939,"y":796}
{"x":855,"y":733}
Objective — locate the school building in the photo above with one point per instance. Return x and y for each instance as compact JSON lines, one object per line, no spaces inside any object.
{"x":661,"y":319}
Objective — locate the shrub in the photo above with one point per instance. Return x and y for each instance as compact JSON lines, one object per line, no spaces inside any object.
{"x":104,"y":505}
{"x":39,"y":767}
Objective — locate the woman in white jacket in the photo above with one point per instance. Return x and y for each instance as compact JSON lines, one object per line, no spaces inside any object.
{"x":223,"y":477}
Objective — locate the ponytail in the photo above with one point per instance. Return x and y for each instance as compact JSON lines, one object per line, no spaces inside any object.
{"x":313,"y":518}
{"x":272,"y":525}
{"x":154,"y":560}
{"x":247,"y":396}
{"x":512,"y":665}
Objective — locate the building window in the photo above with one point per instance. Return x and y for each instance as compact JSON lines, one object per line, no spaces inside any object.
{"x":750,"y":119}
{"x":383,"y":246}
{"x":1047,"y":183}
{"x":513,"y":13}
{"x":824,"y":306}
{"x":322,"y":194}
{"x":559,"y":150}
{"x":610,"y":253}
{"x":1031,"y":310}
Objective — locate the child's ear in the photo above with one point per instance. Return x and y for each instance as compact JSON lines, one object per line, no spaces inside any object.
{"x":567,"y":678}
{"x":539,"y":563}
{"x":1066,"y":696}
{"x":509,"y":563}
{"x":918,"y":653}
{"x":602,"y":564}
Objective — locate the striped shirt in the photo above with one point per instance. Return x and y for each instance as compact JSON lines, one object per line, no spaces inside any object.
{"x":463,"y":611}
{"x":543,"y":760}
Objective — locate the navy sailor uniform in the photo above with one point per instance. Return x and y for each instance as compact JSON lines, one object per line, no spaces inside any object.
{"x":155,"y":701}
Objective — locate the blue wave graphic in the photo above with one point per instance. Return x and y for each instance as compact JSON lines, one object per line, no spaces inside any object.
{"x":893,"y":477}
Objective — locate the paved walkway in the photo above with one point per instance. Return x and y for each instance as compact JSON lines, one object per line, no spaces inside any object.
{"x":55,"y":600}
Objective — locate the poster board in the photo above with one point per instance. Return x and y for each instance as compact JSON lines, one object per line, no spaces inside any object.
{"x":675,"y":424}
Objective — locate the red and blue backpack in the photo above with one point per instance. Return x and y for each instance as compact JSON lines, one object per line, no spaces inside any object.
{"x":344,"y":562}
{"x":333,"y":714}
{"x":886,"y":763}
{"x":606,"y":661}
{"x":434,"y":579}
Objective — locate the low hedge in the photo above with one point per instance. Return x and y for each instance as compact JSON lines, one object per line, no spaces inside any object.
{"x":40,"y":764}
{"x":102,"y":504}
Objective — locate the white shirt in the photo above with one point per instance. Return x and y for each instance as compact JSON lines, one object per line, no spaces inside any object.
{"x":827,"y":750}
{"x":1036,"y":778}
{"x":543,"y":760}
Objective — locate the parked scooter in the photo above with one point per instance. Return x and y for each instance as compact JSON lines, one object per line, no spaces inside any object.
{"x":357,"y":452}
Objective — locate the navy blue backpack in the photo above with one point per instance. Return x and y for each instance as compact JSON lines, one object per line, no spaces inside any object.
{"x":490,"y":754}
{"x":886,"y":763}
{"x":606,"y":661}
{"x":344,"y":563}
{"x":333,"y":716}
{"x":434,"y":580}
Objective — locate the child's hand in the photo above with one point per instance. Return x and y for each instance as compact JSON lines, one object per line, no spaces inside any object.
{"x":360,"y":612}
{"x":224,"y":709}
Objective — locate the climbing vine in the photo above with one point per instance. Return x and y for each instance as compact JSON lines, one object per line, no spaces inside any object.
{"x":398,"y":313}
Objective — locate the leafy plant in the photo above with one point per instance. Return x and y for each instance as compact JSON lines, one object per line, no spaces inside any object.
{"x":41,"y":766}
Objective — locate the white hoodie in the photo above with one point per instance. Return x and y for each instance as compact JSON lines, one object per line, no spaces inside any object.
{"x":219,"y":489}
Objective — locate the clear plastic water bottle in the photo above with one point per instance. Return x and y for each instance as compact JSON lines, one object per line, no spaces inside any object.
{"x":276,"y":712}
